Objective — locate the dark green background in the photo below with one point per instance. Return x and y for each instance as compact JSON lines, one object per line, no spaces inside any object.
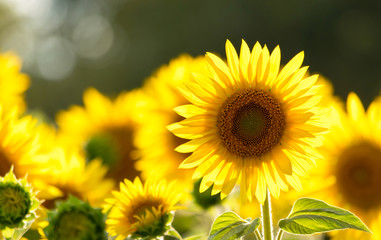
{"x":341,"y":40}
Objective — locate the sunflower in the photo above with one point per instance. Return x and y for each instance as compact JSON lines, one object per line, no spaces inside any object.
{"x":251,"y":122}
{"x":104,"y":129}
{"x":13,"y":84}
{"x":70,"y":175}
{"x":139,"y":210}
{"x":75,"y":219}
{"x":349,"y":176}
{"x":18,"y":206}
{"x":19,"y":142}
{"x":154,"y":140}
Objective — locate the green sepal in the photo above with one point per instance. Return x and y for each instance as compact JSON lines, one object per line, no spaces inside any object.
{"x":310,"y":216}
{"x":230,"y":226}
{"x":172,"y":234}
{"x":171,"y":237}
{"x":16,"y":233}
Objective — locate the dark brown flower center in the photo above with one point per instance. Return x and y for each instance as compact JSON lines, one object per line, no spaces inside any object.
{"x":358,"y":175}
{"x":250,"y":123}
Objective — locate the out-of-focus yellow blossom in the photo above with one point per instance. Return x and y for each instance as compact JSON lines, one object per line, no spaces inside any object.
{"x":156,"y":143}
{"x":19,"y":143}
{"x":13,"y":83}
{"x":70,"y":175}
{"x":349,"y":177}
{"x":105,"y":129}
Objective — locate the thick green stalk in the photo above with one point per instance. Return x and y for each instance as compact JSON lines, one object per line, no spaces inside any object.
{"x":266,"y":218}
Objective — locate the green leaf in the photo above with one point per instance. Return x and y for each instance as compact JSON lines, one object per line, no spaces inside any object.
{"x":230,"y":226}
{"x":310,"y":216}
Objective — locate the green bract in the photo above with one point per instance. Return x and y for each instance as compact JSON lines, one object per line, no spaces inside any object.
{"x":75,"y":220}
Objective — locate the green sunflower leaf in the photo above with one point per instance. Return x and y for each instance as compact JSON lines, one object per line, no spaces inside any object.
{"x":230,"y":226}
{"x":310,"y":216}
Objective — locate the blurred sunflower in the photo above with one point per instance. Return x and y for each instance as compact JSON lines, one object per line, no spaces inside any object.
{"x":70,"y":175}
{"x":19,"y":142}
{"x":13,"y":84}
{"x":104,"y":129}
{"x":350,"y":176}
{"x":250,"y":122}
{"x":139,"y":210}
{"x":156,"y":143}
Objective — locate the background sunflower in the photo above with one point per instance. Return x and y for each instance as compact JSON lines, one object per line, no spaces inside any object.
{"x":13,"y":83}
{"x":348,"y":176}
{"x":105,"y":129}
{"x":156,"y":143}
{"x":139,"y":210}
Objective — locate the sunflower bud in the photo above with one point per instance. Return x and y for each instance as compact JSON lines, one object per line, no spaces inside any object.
{"x":17,"y":205}
{"x":75,"y":220}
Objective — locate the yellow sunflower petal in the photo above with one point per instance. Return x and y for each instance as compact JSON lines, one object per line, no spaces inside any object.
{"x":290,"y":68}
{"x":252,"y":71}
{"x":274,"y":65}
{"x":233,"y":61}
{"x":355,"y":108}
{"x":244,"y":59}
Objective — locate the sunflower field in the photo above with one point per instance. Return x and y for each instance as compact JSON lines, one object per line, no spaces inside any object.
{"x":240,"y":141}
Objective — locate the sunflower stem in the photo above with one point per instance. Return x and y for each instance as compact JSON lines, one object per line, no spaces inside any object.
{"x":266,"y":218}
{"x":280,"y":235}
{"x":257,"y":235}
